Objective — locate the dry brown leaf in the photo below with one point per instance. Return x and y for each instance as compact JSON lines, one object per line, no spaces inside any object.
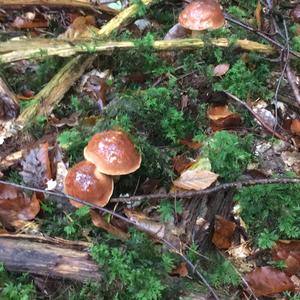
{"x":167,"y":231}
{"x":223,"y":232}
{"x":195,"y":179}
{"x":99,"y":221}
{"x":221,"y":69}
{"x":215,"y":113}
{"x":222,"y":118}
{"x":190,"y":144}
{"x":82,"y":27}
{"x":181,"y":163}
{"x":181,"y":270}
{"x":16,"y":206}
{"x":295,"y":126}
{"x":289,"y":251}
{"x":30,"y":21}
{"x":269,"y":281}
{"x":231,"y":122}
{"x":258,"y":15}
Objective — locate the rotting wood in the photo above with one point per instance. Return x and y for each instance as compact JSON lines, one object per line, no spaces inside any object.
{"x":48,"y":257}
{"x":33,"y":48}
{"x":48,"y":95}
{"x":54,"y":91}
{"x":9,"y":106}
{"x":14,"y":4}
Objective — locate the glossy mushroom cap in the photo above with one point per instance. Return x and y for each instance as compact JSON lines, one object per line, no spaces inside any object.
{"x":201,"y":15}
{"x":113,"y":153}
{"x":85,"y":182}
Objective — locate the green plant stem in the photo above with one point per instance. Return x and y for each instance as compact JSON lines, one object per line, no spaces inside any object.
{"x":34,"y":48}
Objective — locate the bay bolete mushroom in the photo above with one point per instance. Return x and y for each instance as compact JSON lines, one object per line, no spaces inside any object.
{"x":113,"y":153}
{"x":85,"y":182}
{"x":201,"y":15}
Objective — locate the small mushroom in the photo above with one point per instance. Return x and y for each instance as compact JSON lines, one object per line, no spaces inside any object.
{"x":85,"y":182}
{"x":113,"y":153}
{"x":201,"y":15}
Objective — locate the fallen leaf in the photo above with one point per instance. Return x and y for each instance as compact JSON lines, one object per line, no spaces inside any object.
{"x":181,"y":163}
{"x":190,"y":144}
{"x":269,"y":281}
{"x":231,"y":122}
{"x":94,"y":84}
{"x":167,"y":231}
{"x":218,"y":112}
{"x":258,"y":15}
{"x":30,"y":21}
{"x":81,"y":28}
{"x":295,"y":127}
{"x":223,"y":232}
{"x":267,"y":117}
{"x":195,"y":179}
{"x":289,"y":251}
{"x":99,"y":221}
{"x":221,"y":69}
{"x":16,"y":206}
{"x":181,"y":270}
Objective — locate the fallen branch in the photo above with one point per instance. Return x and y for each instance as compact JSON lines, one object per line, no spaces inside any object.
{"x":16,"y":4}
{"x":49,"y":94}
{"x":41,"y":48}
{"x":56,"y":258}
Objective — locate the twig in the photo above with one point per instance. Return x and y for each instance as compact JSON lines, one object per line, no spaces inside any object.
{"x":259,"y":33}
{"x":257,"y":117}
{"x":105,"y":210}
{"x":292,"y":81}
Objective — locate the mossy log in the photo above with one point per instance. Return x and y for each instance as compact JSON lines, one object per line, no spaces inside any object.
{"x":48,"y":257}
{"x":40,"y":48}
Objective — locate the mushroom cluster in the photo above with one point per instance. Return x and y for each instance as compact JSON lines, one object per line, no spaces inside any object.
{"x":108,"y":153}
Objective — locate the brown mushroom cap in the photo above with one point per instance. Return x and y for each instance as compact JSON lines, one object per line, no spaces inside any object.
{"x":113,"y":153}
{"x":201,"y":15}
{"x":85,"y":182}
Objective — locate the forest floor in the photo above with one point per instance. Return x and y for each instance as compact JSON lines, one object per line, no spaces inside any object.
{"x":213,"y":209}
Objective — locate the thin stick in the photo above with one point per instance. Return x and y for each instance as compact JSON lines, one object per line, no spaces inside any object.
{"x":105,"y":210}
{"x":292,"y":81}
{"x":259,"y":33}
{"x":257,"y":117}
